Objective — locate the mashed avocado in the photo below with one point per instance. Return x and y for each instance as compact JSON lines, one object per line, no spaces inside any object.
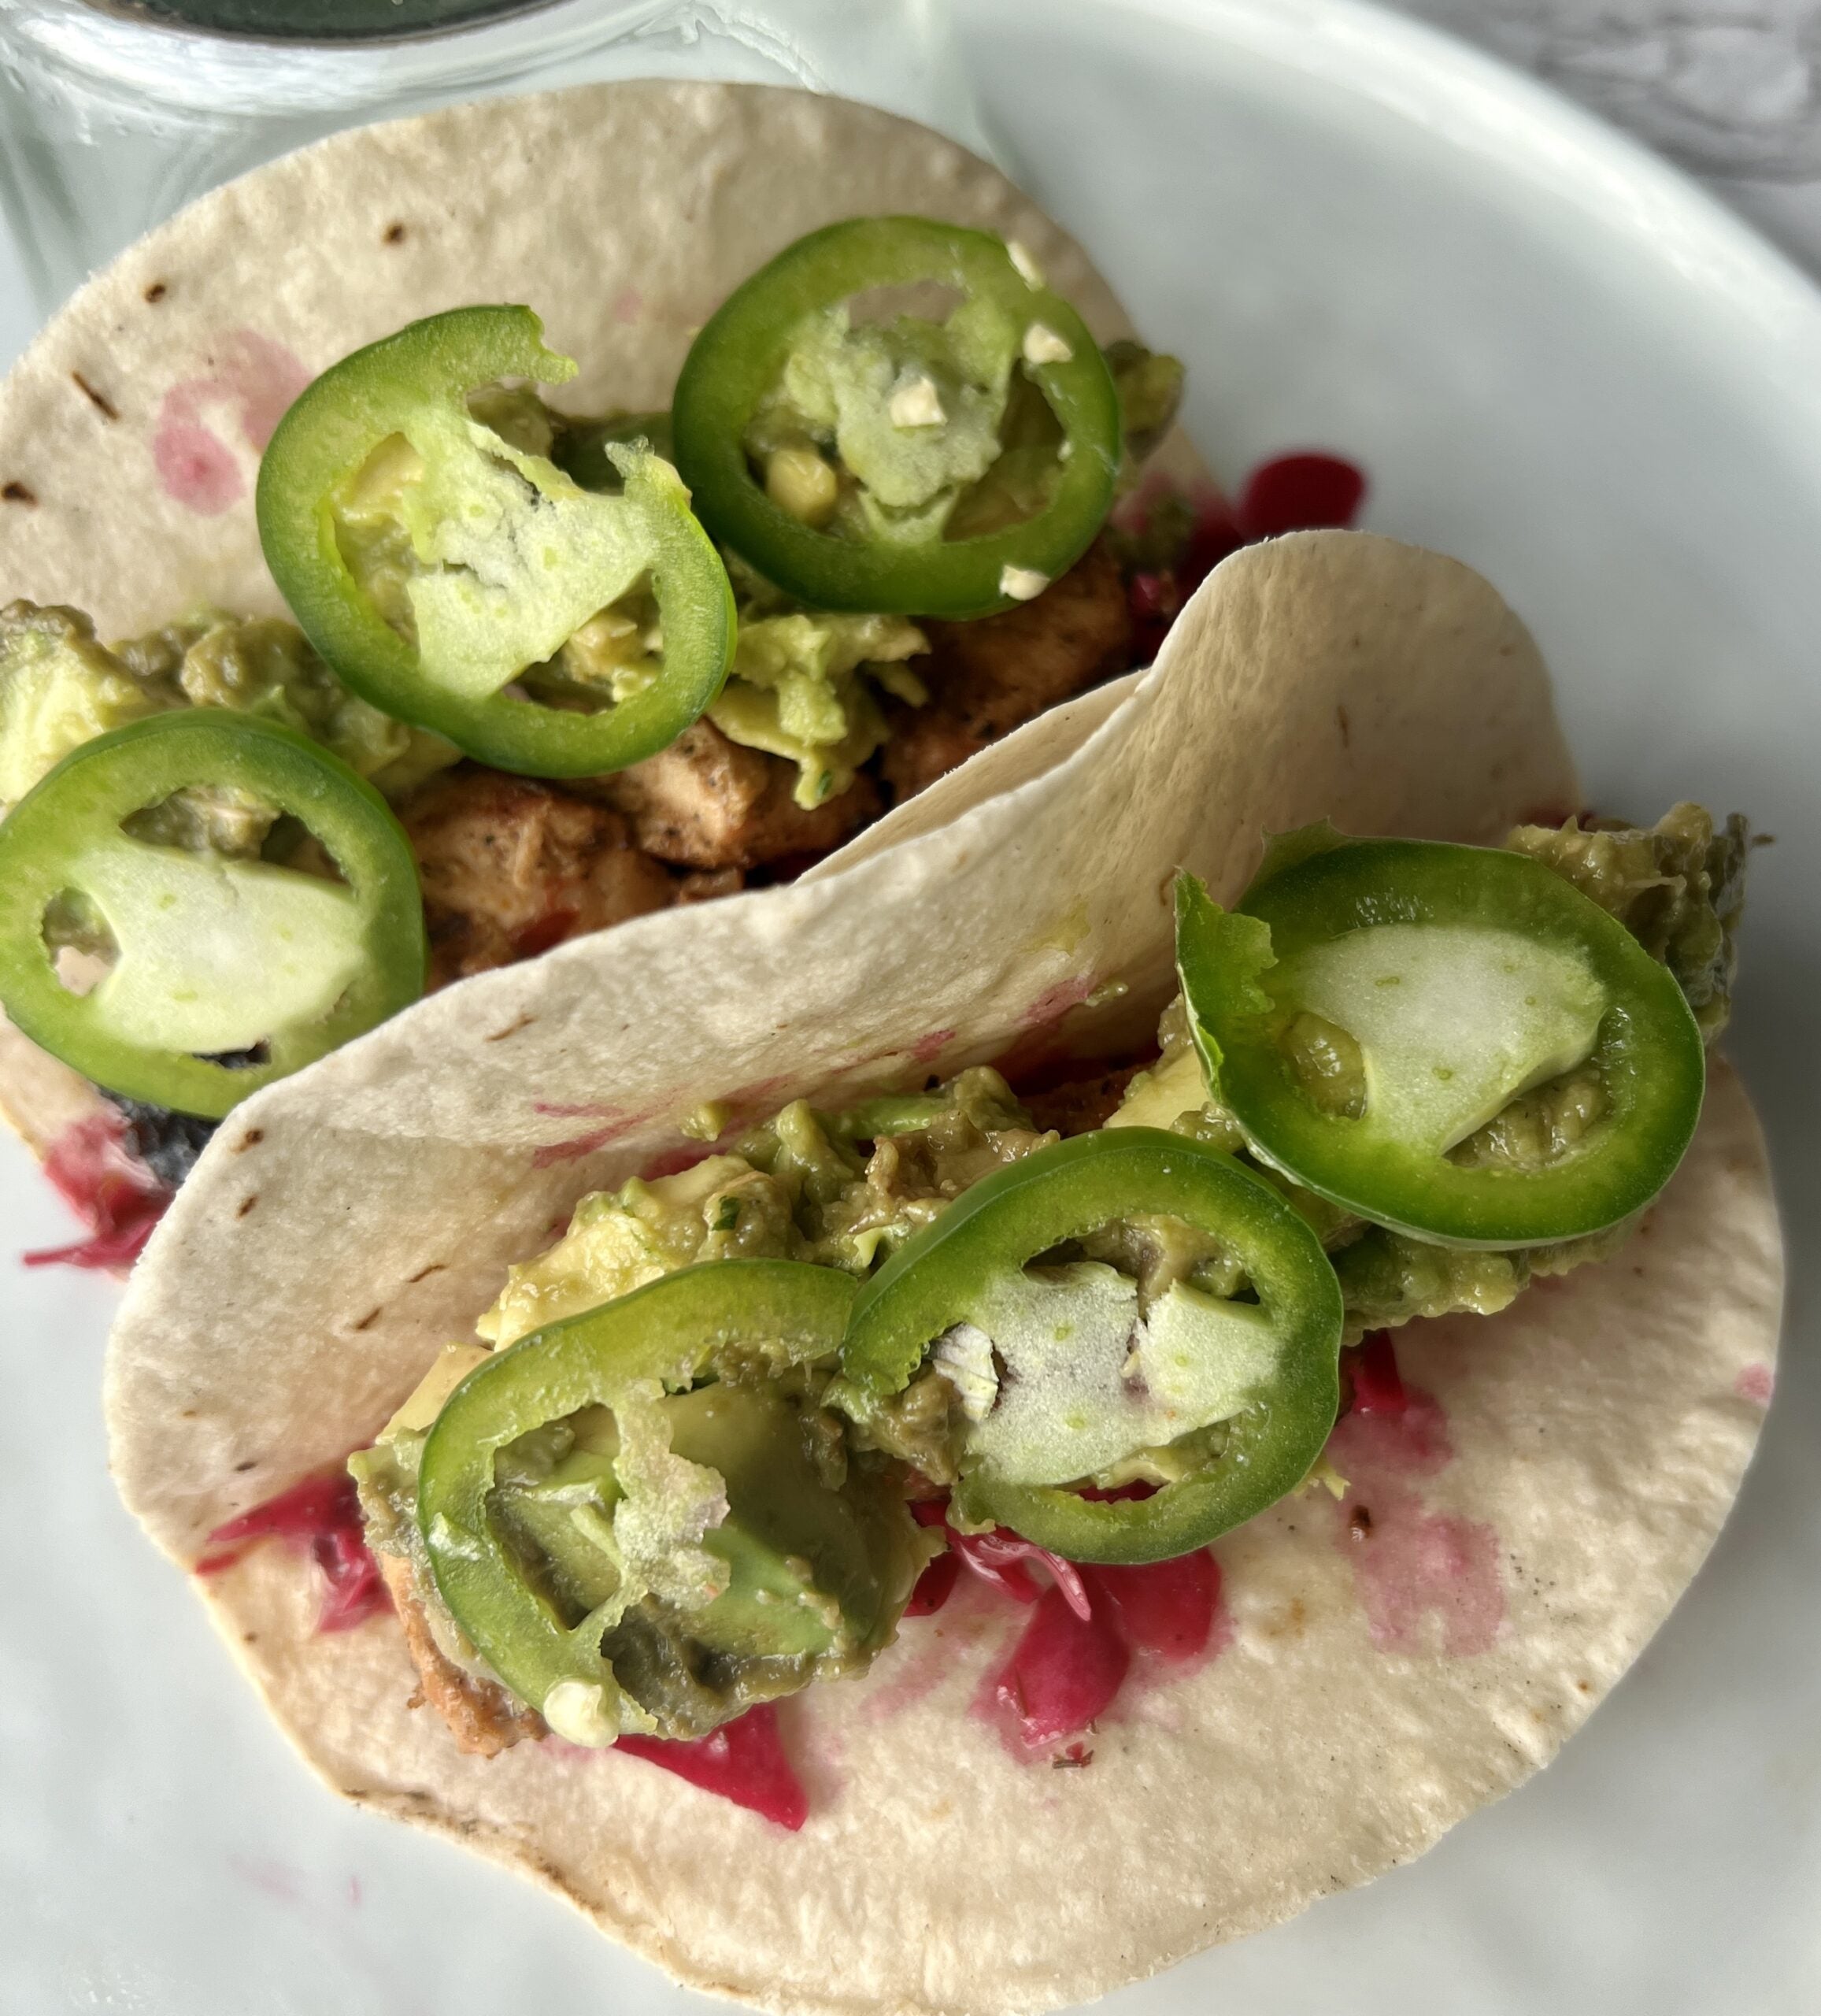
{"x":695,"y":1520}
{"x":802,"y":685}
{"x":795,"y":1189}
{"x":263,"y":666}
{"x":723,"y":1208}
{"x":909,"y":411}
{"x":1676,"y":886}
{"x":796,"y":689}
{"x":59,"y":688}
{"x":1149,"y":385}
{"x":1387,"y":1278}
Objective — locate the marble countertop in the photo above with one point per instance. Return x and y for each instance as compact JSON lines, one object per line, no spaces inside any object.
{"x":1729,"y":90}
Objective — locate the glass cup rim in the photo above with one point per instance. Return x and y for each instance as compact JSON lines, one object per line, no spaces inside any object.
{"x":145,"y":70}
{"x":137,"y":15}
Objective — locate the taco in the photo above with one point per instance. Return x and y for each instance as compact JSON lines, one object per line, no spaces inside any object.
{"x":825,"y":1342}
{"x":463,"y":668}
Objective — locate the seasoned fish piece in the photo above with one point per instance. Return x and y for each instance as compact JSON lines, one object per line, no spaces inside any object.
{"x":511,"y":867}
{"x":707,"y":802}
{"x":988,"y":677}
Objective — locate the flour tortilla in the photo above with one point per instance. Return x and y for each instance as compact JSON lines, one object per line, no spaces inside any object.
{"x":343,"y":1225}
{"x":624,"y":213}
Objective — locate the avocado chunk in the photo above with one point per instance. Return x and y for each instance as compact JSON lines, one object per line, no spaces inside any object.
{"x":809,"y":1562}
{"x":802,"y":1573}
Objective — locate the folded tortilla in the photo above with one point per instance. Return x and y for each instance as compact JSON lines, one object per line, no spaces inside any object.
{"x":1564,"y":1470}
{"x":131,"y":431}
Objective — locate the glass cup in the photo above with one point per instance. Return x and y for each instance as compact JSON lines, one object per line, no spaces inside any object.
{"x":112,"y":116}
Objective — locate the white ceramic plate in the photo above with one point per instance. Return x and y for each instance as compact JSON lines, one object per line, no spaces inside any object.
{"x":1558,"y":361}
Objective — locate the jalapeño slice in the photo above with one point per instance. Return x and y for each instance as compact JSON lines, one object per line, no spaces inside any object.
{"x":1375,"y":1013}
{"x":1264,"y":1369}
{"x":907,"y":416}
{"x":451,"y":577}
{"x":212,"y":954}
{"x":674,"y":1554}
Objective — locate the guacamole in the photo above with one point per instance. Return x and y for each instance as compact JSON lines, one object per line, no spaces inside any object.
{"x":733,"y":1488}
{"x":59,"y":688}
{"x":1676,"y":886}
{"x":908,"y":412}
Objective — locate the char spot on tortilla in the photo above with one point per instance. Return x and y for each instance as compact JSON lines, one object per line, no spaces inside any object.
{"x":1345,"y":727}
{"x":423,"y":1273}
{"x":511,"y":1029}
{"x":157,"y":291}
{"x":394,"y":234}
{"x":252,"y":1463}
{"x":251,"y":1139}
{"x":371,"y":1317}
{"x":16,"y":492}
{"x":100,"y":400}
{"x":246,"y":1204}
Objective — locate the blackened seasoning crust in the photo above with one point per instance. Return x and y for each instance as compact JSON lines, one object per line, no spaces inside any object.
{"x":167,"y":1143}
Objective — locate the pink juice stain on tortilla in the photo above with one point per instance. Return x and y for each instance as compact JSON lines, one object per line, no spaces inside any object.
{"x":252,"y":377}
{"x":931,"y":1649}
{"x":1410,"y":1564}
{"x":616,"y":1121}
{"x":673,"y":1161}
{"x":748,"y":1101}
{"x":757,"y":1099}
{"x":627,"y":304}
{"x":926,"y":1049}
{"x":1054,"y":1003}
{"x":1756,"y":1383}
{"x":1041,"y":1045}
{"x":1412,"y":1442}
{"x":576,"y":1147}
{"x":744,"y":1106}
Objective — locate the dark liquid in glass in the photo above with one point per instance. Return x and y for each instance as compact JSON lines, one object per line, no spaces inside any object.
{"x":317,"y":20}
